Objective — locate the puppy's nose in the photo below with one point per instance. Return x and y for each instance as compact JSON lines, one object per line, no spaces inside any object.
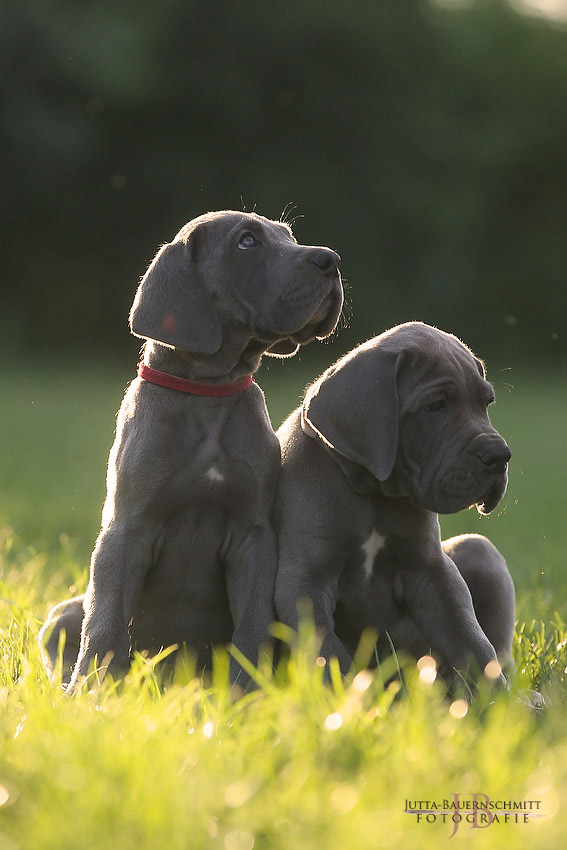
{"x":494,"y":456}
{"x":326,"y":260}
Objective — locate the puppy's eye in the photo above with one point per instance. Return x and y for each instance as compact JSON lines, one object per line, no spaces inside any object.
{"x":436,"y":406}
{"x":247,"y":240}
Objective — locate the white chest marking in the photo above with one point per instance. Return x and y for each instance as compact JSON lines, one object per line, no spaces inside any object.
{"x":213,"y":474}
{"x":370,"y":548}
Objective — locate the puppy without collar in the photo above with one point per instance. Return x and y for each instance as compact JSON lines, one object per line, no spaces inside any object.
{"x":394,"y":433}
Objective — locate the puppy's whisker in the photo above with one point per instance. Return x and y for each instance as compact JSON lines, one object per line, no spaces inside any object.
{"x":295,"y":218}
{"x":289,"y":207}
{"x":288,"y":217}
{"x":346,"y":312}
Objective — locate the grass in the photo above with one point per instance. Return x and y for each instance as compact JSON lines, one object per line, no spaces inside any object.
{"x":298,"y":763}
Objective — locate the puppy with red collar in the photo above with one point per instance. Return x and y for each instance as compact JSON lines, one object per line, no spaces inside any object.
{"x":187,"y":552}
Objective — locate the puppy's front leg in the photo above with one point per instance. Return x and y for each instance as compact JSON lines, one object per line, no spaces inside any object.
{"x":120,"y":561}
{"x":250,"y":577}
{"x":440,"y":603}
{"x":307,"y":569}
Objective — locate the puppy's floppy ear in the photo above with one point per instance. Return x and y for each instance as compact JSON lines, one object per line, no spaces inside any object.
{"x":353,"y":409}
{"x":172,"y":306}
{"x":283,"y":348}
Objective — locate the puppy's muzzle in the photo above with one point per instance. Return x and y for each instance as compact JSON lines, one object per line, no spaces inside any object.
{"x":492,"y":455}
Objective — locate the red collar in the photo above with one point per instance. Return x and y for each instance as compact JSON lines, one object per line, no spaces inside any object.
{"x":193,"y":387}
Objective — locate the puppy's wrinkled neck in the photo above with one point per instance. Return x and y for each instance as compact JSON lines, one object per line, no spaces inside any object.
{"x":360,"y":479}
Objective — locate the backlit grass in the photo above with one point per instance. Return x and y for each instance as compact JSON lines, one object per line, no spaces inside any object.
{"x":298,"y":763}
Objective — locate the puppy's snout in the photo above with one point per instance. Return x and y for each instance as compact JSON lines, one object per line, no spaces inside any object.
{"x":326,"y":260}
{"x":494,"y":455}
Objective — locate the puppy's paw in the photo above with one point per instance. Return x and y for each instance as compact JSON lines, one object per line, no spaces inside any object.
{"x":533,"y":700}
{"x":93,"y":669}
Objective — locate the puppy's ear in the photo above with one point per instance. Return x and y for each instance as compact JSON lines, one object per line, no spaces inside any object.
{"x":172,"y":306}
{"x":283,"y":348}
{"x":353,"y":409}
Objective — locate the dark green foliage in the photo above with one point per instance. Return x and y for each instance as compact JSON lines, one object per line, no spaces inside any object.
{"x":427,"y":146}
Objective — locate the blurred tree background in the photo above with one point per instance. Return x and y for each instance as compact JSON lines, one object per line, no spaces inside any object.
{"x":425,"y":141}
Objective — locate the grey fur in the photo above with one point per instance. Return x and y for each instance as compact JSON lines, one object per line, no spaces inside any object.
{"x":187,"y":551}
{"x":366,"y":466}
